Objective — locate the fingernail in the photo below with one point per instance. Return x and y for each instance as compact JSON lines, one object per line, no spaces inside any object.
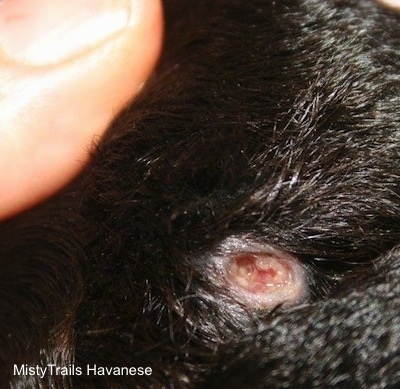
{"x":41,"y":32}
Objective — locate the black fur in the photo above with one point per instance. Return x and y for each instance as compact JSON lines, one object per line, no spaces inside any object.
{"x":267,"y":121}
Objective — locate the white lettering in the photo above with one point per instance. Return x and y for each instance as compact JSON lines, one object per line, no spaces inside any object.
{"x":91,"y":369}
{"x":118,"y":371}
{"x":41,"y":371}
{"x":19,"y":371}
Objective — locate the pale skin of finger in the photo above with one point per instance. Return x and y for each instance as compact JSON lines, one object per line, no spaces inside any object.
{"x":392,"y":4}
{"x":52,"y":107}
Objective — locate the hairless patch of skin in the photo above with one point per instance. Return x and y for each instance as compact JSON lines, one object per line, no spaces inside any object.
{"x":260,"y":275}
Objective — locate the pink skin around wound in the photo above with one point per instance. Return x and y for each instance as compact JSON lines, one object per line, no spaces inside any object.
{"x":259,"y":273}
{"x":261,"y":276}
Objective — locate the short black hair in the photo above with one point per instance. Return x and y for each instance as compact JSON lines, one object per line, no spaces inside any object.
{"x":272,"y":121}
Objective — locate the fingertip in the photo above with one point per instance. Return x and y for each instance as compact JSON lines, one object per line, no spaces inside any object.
{"x":51,"y":111}
{"x":391,"y":4}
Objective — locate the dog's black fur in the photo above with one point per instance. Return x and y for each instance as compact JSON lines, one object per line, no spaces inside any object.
{"x":266,"y":121}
